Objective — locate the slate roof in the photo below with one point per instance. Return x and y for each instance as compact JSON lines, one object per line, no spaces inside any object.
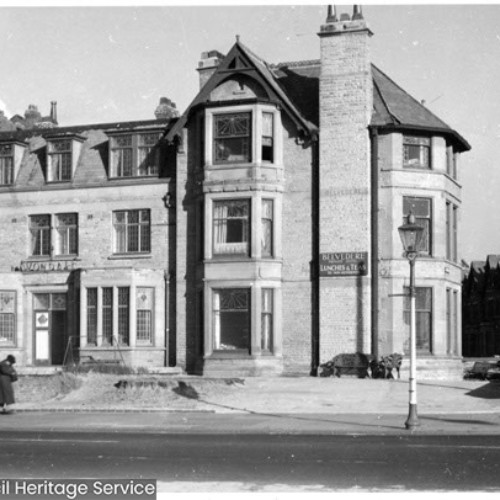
{"x":393,"y":107}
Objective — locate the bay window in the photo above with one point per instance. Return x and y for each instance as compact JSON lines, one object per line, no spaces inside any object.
{"x":231,"y":227}
{"x":421,"y":209}
{"x":417,"y":152}
{"x":267,"y":320}
{"x":232,"y":137}
{"x":231,"y":316}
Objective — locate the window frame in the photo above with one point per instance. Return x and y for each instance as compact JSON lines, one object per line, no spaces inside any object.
{"x":217,"y":229}
{"x":149,"y":339}
{"x":64,"y":171}
{"x":427,"y":252}
{"x":257,"y":110}
{"x":217,"y":320}
{"x":248,"y":137}
{"x":43,"y":232}
{"x":117,"y":250}
{"x":7,"y":152}
{"x":424,"y":143}
{"x":451,"y":231}
{"x":4,"y":313}
{"x":138,"y":144}
{"x":72,"y":245}
{"x":429,"y":313}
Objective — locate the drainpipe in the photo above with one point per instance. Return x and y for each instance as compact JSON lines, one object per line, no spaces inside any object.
{"x":167,"y":314}
{"x":374,"y":239}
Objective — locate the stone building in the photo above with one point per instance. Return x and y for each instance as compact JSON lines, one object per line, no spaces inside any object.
{"x":481,"y":308}
{"x":269,"y":226}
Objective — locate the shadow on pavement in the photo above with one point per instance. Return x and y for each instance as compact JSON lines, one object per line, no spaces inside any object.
{"x":489,"y":391}
{"x":187,"y":391}
{"x":458,"y":421}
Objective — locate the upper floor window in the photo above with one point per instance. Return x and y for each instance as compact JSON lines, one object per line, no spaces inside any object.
{"x":40,"y":235}
{"x":421,"y":209}
{"x":267,"y":137}
{"x":232,"y":137}
{"x":59,"y":168}
{"x":451,"y":162}
{"x":67,"y":234}
{"x":134,"y":155}
{"x":6,"y":164}
{"x":417,"y":152}
{"x":132,"y":231}
{"x":65,"y":237}
{"x":267,"y":228}
{"x":231,"y":219}
{"x":451,"y":231}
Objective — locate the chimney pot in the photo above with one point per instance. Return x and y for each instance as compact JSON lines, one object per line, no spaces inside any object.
{"x":357,"y":13}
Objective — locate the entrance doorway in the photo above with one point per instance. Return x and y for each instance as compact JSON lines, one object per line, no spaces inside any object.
{"x":50,"y":328}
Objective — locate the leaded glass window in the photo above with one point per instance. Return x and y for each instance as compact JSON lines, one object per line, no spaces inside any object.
{"x":7,"y":318}
{"x":60,"y":161}
{"x":123,"y":315}
{"x":231,"y":227}
{"x":6,"y":164}
{"x":40,"y":235}
{"x":231,"y":313}
{"x":421,"y":209}
{"x":144,"y":302}
{"x":135,"y":155}
{"x":67,"y":234}
{"x":132,"y":231}
{"x":232,"y":137}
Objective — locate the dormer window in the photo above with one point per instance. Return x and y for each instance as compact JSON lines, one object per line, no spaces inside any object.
{"x":417,"y":152}
{"x":6,"y":164}
{"x":232,"y":138}
{"x":59,"y":168}
{"x":135,"y":155}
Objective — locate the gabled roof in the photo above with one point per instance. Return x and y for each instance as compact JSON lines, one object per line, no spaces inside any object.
{"x":296,"y":85}
{"x":240,"y":59}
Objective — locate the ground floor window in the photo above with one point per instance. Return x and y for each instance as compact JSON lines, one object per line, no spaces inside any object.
{"x":145,"y":301}
{"x":7,"y":318}
{"x":267,"y":320}
{"x":231,"y":312}
{"x":107,"y":302}
{"x":423,"y":316}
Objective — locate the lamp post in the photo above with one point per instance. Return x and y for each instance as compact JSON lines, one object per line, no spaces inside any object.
{"x":411,"y":234}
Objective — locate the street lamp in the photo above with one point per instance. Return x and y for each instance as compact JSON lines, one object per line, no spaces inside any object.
{"x":411,"y":234}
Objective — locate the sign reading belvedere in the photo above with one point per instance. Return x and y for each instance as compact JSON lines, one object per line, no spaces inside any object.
{"x":343,"y":264}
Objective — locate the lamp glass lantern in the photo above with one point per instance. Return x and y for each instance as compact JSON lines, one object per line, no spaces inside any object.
{"x":411,"y":235}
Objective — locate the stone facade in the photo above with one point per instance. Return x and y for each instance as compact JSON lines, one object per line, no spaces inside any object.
{"x":271,"y":240}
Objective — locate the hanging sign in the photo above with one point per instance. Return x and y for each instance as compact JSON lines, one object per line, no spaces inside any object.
{"x":343,"y":264}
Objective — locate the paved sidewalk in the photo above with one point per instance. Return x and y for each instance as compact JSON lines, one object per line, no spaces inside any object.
{"x":282,"y":395}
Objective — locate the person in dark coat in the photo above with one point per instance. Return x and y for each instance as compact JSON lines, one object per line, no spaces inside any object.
{"x":7,"y":376}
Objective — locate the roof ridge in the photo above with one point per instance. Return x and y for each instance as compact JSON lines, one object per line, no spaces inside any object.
{"x":305,"y":62}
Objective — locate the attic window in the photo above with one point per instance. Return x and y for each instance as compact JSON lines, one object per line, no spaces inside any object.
{"x":6,"y":164}
{"x":232,"y":137}
{"x":135,"y":155}
{"x":417,"y":152}
{"x":59,"y":167}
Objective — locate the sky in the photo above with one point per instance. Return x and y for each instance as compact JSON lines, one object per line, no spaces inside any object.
{"x":105,"y":64}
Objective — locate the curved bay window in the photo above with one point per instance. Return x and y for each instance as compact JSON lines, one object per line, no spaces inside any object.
{"x":231,"y":312}
{"x":232,"y":137}
{"x":231,"y":221}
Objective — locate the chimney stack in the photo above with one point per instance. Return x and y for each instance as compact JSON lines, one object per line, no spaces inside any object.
{"x":208,"y":64}
{"x":53,"y":111}
{"x":346,"y":104}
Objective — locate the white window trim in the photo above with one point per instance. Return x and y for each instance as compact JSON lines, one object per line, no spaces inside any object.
{"x":256,"y":134}
{"x":255,"y":198}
